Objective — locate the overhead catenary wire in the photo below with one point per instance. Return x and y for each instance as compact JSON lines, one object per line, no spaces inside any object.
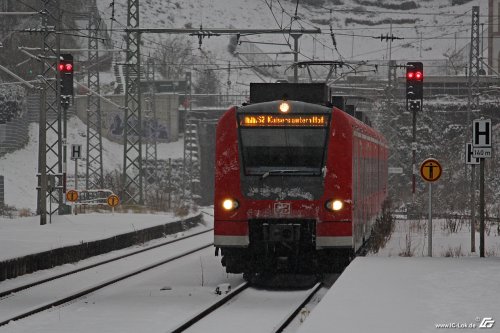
{"x":279,"y":6}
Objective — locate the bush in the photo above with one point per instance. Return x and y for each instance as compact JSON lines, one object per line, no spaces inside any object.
{"x":25,"y":212}
{"x":382,"y":229}
{"x":7,"y":211}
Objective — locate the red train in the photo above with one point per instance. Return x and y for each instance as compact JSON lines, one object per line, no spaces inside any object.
{"x":297,"y":184}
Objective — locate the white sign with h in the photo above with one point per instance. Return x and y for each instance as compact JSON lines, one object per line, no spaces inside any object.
{"x":76,"y":151}
{"x":481,"y":138}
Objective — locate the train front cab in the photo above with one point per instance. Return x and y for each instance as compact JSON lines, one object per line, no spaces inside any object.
{"x":301,"y":234}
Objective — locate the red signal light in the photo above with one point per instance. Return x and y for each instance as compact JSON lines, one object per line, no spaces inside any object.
{"x":415,"y":76}
{"x":65,"y":67}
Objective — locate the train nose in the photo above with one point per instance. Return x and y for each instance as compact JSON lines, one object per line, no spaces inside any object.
{"x":281,"y":232}
{"x":287,"y":234}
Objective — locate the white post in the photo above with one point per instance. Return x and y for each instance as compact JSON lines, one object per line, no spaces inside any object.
{"x":429,"y":225}
{"x":76,"y":174}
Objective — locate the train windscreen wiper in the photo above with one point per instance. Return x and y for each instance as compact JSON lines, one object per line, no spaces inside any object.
{"x":279,"y":172}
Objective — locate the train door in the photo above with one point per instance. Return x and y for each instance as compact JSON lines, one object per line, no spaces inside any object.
{"x":355,"y":189}
{"x":364,"y":186}
{"x":361,"y":187}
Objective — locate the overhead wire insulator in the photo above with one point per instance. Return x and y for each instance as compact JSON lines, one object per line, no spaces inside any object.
{"x":334,"y":42}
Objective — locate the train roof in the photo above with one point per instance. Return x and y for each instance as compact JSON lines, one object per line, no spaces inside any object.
{"x":358,"y":125}
{"x":317,"y":93}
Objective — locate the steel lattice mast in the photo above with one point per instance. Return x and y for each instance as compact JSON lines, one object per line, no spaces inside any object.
{"x":132,"y":159}
{"x":394,"y":158}
{"x":151,"y":157}
{"x":94,"y":169}
{"x":50,"y":150}
{"x":473,"y":105}
{"x":474,"y":56}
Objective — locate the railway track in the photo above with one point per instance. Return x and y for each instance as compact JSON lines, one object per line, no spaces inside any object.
{"x":247,"y":299}
{"x":23,"y":301}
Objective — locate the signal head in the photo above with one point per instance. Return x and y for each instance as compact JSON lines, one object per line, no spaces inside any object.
{"x":66,"y":68}
{"x":414,"y":82}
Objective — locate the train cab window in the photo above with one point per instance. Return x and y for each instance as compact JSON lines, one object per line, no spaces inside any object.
{"x":290,"y":150}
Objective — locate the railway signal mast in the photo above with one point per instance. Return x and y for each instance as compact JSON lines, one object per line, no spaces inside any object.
{"x":414,"y":102}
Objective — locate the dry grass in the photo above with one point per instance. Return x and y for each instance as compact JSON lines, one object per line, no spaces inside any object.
{"x":407,"y":251}
{"x":25,"y":212}
{"x":453,"y":252}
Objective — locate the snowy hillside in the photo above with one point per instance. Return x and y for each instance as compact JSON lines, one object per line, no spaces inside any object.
{"x":429,"y":30}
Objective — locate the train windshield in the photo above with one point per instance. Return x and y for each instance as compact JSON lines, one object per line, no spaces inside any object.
{"x":283,"y":150}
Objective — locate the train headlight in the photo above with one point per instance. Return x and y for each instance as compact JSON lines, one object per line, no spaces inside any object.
{"x":334,"y":205}
{"x":284,"y":107}
{"x":230,"y":204}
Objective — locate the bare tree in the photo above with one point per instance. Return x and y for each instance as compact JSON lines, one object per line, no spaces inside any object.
{"x":456,"y":60}
{"x":175,"y":54}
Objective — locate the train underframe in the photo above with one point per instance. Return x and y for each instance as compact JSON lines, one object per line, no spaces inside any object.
{"x":284,"y":246}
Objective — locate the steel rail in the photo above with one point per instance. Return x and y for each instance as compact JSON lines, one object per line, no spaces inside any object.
{"x":212,"y":308}
{"x":203,"y":313}
{"x":89,"y":290}
{"x":98,"y":286}
{"x":284,"y":324}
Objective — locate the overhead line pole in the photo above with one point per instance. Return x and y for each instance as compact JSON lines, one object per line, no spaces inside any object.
{"x":473,"y":105}
{"x":50,"y":164}
{"x":132,"y":159}
{"x":295,"y":37}
{"x":151,"y":153}
{"x":94,"y":178}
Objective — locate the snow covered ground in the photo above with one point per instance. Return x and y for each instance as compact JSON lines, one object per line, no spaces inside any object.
{"x":399,"y":289}
{"x":154,"y":301}
{"x":23,"y":236}
{"x":412,"y":295}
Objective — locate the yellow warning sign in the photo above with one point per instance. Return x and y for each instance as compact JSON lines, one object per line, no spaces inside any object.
{"x":72,"y":195}
{"x":430,"y":170}
{"x":113,"y":200}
